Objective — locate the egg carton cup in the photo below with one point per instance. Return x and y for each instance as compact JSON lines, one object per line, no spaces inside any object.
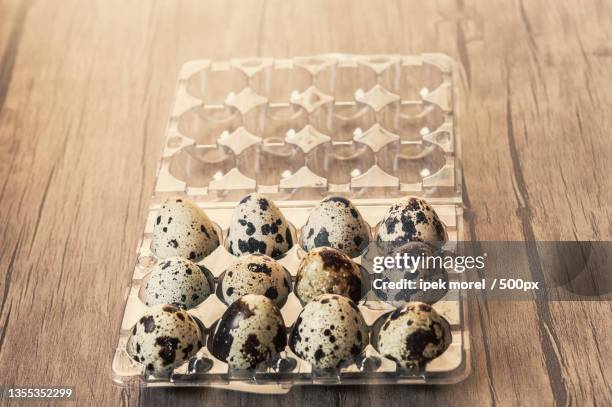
{"x":371,"y":128}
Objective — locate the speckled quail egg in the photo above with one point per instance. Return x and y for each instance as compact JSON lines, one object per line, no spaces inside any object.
{"x":413,"y":335}
{"x":255,"y":274}
{"x":251,"y":331}
{"x":327,"y":271}
{"x":163,"y":339}
{"x":420,"y":264}
{"x":183,"y":229}
{"x":335,"y":222}
{"x":258,"y":226}
{"x":411,"y":220}
{"x":329,"y":331}
{"x":178,"y":281}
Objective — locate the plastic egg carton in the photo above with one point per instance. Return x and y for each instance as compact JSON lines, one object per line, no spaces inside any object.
{"x":372,"y":128}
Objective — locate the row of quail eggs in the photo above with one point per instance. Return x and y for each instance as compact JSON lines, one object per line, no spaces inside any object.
{"x":330,"y":330}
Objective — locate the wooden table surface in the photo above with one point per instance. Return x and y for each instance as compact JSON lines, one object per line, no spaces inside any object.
{"x":85,"y":91}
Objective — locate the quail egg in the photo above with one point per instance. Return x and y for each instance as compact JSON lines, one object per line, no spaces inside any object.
{"x":420,"y":264}
{"x":183,"y":229}
{"x":163,"y":339}
{"x":413,"y":335}
{"x":327,"y":271}
{"x":258,"y":226}
{"x":178,"y":281}
{"x":329,"y":331}
{"x":255,"y":274}
{"x":251,"y":331}
{"x":335,"y":222}
{"x":409,"y":220}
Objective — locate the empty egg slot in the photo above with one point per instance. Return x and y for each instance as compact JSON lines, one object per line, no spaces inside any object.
{"x":280,"y":80}
{"x":214,"y":83}
{"x":345,"y":119}
{"x":205,"y":124}
{"x":271,"y":161}
{"x":413,"y":81}
{"x":389,"y":117}
{"x":412,"y":162}
{"x":340,"y":162}
{"x":199,"y":165}
{"x":418,"y":119}
{"x":283,"y":117}
{"x":351,"y":77}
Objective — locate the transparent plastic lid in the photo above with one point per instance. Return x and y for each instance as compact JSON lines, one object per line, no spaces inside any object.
{"x":365,"y":127}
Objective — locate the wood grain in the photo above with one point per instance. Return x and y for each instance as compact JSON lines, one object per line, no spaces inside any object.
{"x":85,"y":89}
